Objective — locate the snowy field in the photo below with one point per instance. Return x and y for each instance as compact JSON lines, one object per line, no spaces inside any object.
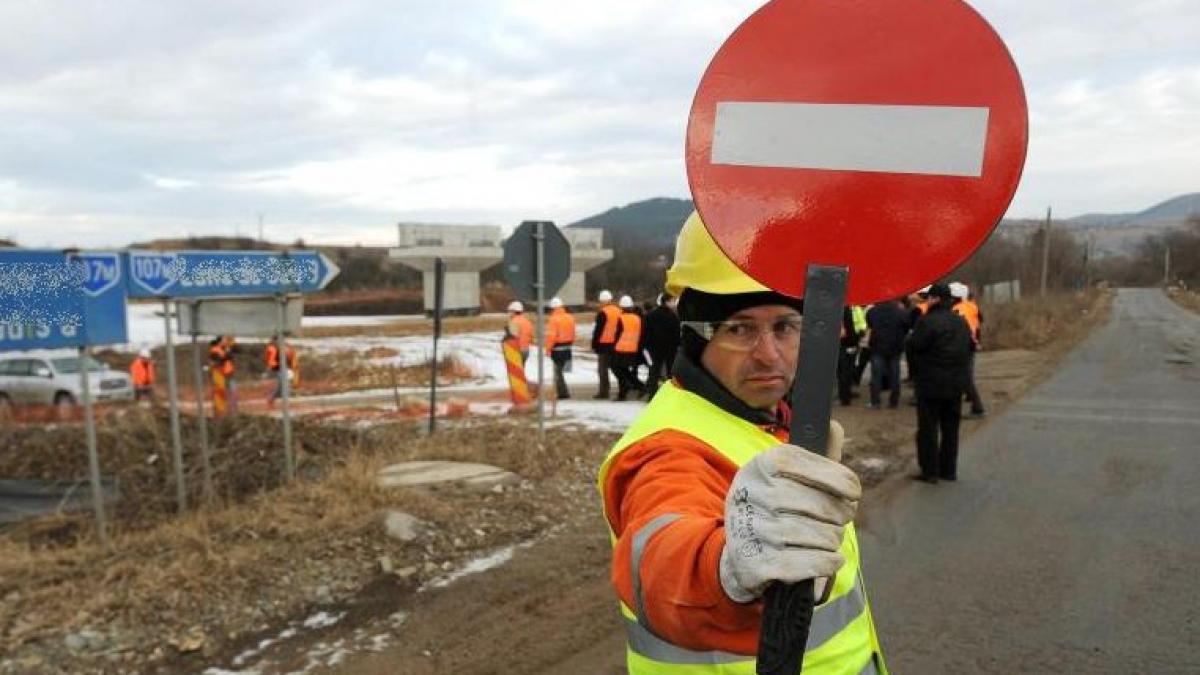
{"x":480,"y":352}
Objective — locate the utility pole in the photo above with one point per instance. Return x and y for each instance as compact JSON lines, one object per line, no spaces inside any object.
{"x":1045,"y":252}
{"x":1167,"y":266}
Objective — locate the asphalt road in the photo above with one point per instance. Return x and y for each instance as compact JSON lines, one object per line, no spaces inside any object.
{"x":1071,"y":542}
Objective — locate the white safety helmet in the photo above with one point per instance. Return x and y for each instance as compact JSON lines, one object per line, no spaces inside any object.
{"x":144,"y":353}
{"x":555,"y":302}
{"x":924,"y":291}
{"x":605,"y":296}
{"x":625,"y":302}
{"x":516,"y":306}
{"x":959,"y":290}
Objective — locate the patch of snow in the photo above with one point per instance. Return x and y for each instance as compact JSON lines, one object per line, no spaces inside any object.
{"x":322,"y":619}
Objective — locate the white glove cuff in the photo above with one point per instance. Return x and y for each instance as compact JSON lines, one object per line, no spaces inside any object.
{"x":730,"y":584}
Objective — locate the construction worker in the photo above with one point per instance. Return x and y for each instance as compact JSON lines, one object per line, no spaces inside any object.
{"x":291,"y":364}
{"x":964,"y":306}
{"x":918,"y":306}
{"x":520,"y":327}
{"x":706,"y":502}
{"x":221,"y":368}
{"x":941,"y":347}
{"x":627,"y":349}
{"x":859,"y":312}
{"x":848,"y":339}
{"x":560,"y":343}
{"x":141,"y":371}
{"x":604,"y":338}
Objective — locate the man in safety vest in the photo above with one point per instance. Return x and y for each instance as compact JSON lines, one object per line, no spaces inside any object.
{"x":520,"y":327}
{"x":560,"y":342}
{"x":141,"y":371}
{"x":604,"y":338}
{"x":627,"y":350}
{"x":292,"y":372}
{"x":707,"y":504}
{"x":221,"y":368}
{"x":964,"y":306}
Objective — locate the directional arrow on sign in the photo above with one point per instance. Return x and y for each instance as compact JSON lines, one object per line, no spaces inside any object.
{"x":155,"y":274}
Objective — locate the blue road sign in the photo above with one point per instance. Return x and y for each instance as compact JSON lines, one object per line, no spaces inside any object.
{"x":53,"y":299}
{"x":191,"y":274}
{"x":104,"y":318}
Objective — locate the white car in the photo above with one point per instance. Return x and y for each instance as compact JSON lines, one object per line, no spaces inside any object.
{"x":52,"y":378}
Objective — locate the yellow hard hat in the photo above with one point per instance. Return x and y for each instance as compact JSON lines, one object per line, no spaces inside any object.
{"x":702,"y":265}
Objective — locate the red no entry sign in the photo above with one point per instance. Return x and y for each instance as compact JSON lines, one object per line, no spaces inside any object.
{"x":885,"y":136}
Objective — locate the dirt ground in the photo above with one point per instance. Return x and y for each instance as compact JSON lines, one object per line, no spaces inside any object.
{"x":303,"y":578}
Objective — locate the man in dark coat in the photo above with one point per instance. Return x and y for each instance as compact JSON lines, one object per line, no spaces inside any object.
{"x":887,"y":326}
{"x":661,"y":338}
{"x":940,"y":345}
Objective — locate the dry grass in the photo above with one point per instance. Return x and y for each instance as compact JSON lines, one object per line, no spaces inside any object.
{"x":348,"y":371}
{"x":230,"y":569}
{"x":1033,"y":322}
{"x":1185,"y":298}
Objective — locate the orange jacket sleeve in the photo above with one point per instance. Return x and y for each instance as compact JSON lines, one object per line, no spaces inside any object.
{"x":671,"y":472}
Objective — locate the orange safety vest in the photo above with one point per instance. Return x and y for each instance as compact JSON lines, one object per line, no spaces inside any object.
{"x":560,"y":329}
{"x":221,"y":359}
{"x":923,"y":306}
{"x":631,"y":334}
{"x":612,"y":314}
{"x":968,"y":310}
{"x":142,"y":372}
{"x":273,"y":356}
{"x":522,"y":329}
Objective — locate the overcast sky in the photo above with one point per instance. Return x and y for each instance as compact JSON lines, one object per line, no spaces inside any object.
{"x":128,"y":120}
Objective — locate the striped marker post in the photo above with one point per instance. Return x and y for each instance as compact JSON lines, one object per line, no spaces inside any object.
{"x":518,"y":387}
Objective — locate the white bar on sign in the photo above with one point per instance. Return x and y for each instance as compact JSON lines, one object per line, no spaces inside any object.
{"x":920,"y":139}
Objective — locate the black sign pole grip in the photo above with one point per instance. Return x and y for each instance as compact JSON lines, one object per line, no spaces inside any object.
{"x":788,"y":608}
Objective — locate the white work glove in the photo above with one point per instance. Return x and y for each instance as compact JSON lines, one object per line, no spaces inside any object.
{"x":784,"y":517}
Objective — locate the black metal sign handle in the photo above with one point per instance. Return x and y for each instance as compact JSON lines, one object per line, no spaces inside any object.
{"x":788,"y":608}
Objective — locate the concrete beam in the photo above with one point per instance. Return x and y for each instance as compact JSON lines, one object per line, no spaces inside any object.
{"x":587,"y":251}
{"x":465,"y":249}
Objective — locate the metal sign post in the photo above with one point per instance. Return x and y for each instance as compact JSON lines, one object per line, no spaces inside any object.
{"x":51,"y":299}
{"x":539,"y":239}
{"x":439,"y":284}
{"x":201,"y":418}
{"x":89,"y":424}
{"x":173,"y":398}
{"x":289,"y":459}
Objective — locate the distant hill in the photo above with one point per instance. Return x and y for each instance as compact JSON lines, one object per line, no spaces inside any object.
{"x":1177,"y":209}
{"x":653,"y":221}
{"x":642,"y":238}
{"x":7,"y":243}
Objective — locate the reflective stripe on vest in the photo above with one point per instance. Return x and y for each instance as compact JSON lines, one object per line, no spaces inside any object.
{"x":842,"y":637}
{"x":612,"y":314}
{"x":631,"y":334}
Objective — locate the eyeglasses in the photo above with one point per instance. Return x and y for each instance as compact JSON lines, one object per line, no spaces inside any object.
{"x":744,"y":335}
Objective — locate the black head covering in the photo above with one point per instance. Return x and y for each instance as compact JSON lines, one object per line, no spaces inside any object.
{"x":697,"y":305}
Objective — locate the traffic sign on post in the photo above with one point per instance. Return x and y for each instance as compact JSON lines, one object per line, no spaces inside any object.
{"x":51,"y":299}
{"x":190,"y":274}
{"x":850,"y":152}
{"x":520,"y":260}
{"x":885,"y":137}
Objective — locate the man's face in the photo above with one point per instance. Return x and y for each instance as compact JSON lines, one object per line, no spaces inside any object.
{"x":759,"y":377}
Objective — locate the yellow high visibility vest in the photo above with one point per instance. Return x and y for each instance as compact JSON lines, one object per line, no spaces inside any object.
{"x":842,"y":639}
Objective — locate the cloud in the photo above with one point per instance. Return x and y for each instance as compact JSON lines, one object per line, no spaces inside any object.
{"x":145,"y":119}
